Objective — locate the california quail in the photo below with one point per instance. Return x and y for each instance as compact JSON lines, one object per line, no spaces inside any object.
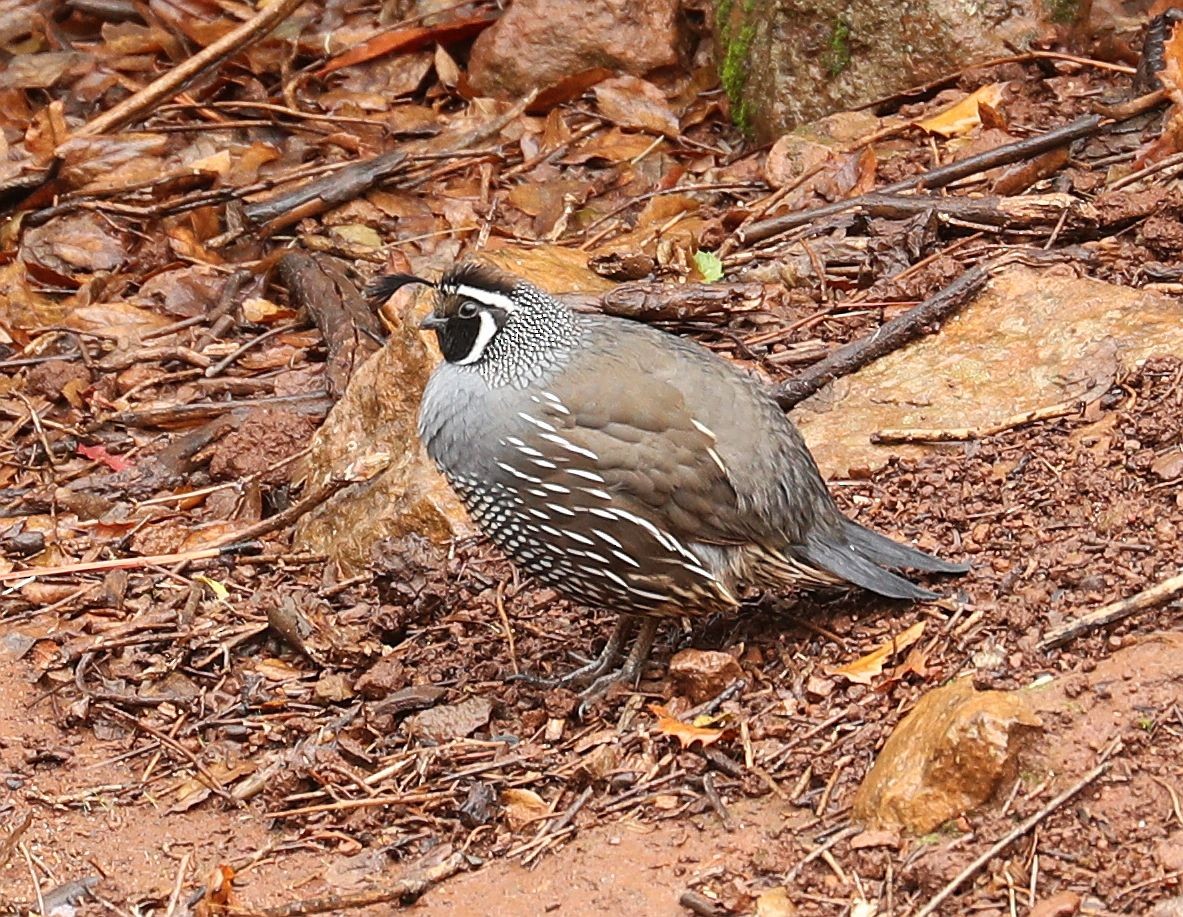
{"x":628,"y":468}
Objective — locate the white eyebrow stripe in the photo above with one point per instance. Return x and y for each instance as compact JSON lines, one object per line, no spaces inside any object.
{"x":485,"y":297}
{"x":553,"y":437}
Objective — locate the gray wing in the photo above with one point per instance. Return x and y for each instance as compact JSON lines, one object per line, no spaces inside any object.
{"x":680,"y":438}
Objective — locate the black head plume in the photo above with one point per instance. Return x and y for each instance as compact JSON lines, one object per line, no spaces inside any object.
{"x":382,"y":287}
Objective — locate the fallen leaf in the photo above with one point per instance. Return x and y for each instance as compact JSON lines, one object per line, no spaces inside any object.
{"x":686,"y":733}
{"x":99,"y":453}
{"x":221,"y":593}
{"x":401,"y":40}
{"x":219,"y":898}
{"x":633,"y":102}
{"x":709,"y":265}
{"x":523,"y":806}
{"x":775,"y":903}
{"x":962,"y":117}
{"x":863,"y":670}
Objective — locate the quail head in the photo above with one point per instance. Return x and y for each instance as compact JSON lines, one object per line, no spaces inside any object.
{"x":628,"y":468}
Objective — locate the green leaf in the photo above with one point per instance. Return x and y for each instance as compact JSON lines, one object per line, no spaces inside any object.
{"x":218,"y":589}
{"x":709,"y":266}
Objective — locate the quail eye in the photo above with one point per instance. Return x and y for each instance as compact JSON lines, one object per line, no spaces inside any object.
{"x":468,"y":309}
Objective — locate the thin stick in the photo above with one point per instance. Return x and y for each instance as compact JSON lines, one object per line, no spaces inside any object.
{"x":960,"y":434}
{"x":119,"y":563}
{"x":890,"y":336}
{"x":403,"y":892}
{"x":1018,"y":831}
{"x":1002,"y":155}
{"x":9,"y":843}
{"x":169,"y":84}
{"x":33,"y":875}
{"x":175,"y":898}
{"x":513,"y":653}
{"x":1115,"y":611}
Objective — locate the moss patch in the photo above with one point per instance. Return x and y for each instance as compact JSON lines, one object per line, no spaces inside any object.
{"x":837,"y":56}
{"x":735,"y":45}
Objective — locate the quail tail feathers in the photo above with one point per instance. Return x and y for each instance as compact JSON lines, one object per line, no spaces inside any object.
{"x":860,"y":556}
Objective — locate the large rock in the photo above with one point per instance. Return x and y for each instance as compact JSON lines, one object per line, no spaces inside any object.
{"x":1034,"y":338}
{"x":378,"y":415}
{"x":537,"y":43}
{"x":787,"y":62}
{"x":948,"y":756}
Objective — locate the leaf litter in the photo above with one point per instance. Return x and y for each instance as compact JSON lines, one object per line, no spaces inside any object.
{"x":158,"y":384}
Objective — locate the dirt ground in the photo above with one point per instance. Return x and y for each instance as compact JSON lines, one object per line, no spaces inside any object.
{"x":1055,"y":518}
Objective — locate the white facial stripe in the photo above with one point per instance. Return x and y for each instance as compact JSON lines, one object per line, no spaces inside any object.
{"x":485,"y":297}
{"x":483,"y":336}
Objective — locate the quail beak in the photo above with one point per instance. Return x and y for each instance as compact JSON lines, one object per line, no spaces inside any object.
{"x":432,"y":322}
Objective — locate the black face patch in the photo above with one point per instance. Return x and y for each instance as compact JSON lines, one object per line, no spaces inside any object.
{"x":465,"y":329}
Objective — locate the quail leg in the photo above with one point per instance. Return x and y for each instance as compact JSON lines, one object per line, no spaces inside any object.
{"x":593,"y":671}
{"x":630,"y":672}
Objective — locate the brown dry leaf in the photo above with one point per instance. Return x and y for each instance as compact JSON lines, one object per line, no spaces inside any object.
{"x":854,"y":175}
{"x":523,"y":806}
{"x":264,"y":311}
{"x":686,"y":733}
{"x":219,"y":898}
{"x":632,"y":102}
{"x":568,"y":88}
{"x":775,"y":903}
{"x":612,"y":146}
{"x":402,"y":40}
{"x":446,"y":68}
{"x":277,"y":670}
{"x":863,"y":670}
{"x":196,"y":789}
{"x":962,"y":117}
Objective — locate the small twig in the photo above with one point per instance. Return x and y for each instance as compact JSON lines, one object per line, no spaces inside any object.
{"x":888,"y":337}
{"x":1018,"y":831}
{"x":14,"y":836}
{"x":700,"y":904}
{"x":169,"y":84}
{"x":1156,"y":595}
{"x":403,"y":892}
{"x":1176,"y":808}
{"x":499,"y":598}
{"x":936,"y":178}
{"x":119,"y":563}
{"x":817,"y":852}
{"x":33,"y":875}
{"x":716,"y":801}
{"x":961,"y":434}
{"x":175,"y":898}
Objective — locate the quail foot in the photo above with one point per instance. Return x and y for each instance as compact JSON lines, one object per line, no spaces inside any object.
{"x":627,"y":468}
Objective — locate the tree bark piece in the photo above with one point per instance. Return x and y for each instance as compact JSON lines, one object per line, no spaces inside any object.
{"x":350,"y":330}
{"x":891,"y":336}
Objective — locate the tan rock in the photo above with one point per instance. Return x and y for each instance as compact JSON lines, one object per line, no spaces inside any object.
{"x":792,"y":61}
{"x":536,"y":43}
{"x":948,"y":756}
{"x":378,"y":415}
{"x":1034,"y":338}
{"x":703,"y":674}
